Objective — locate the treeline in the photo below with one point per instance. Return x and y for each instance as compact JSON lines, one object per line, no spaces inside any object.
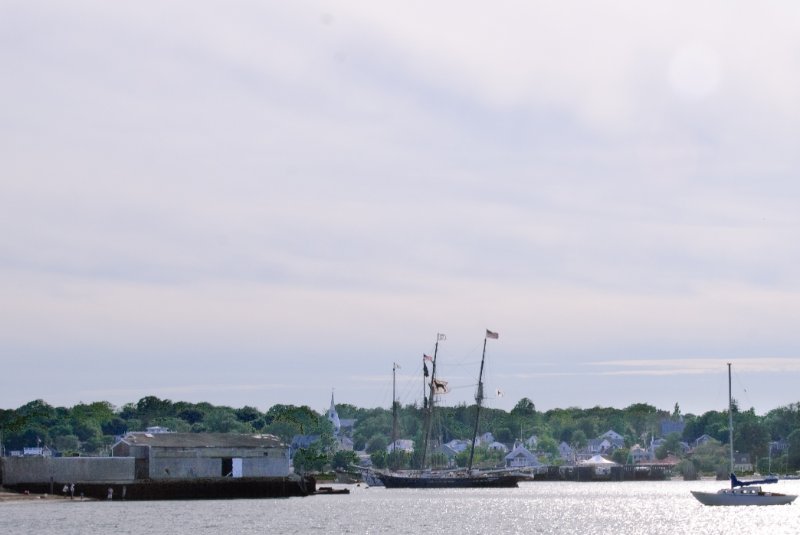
{"x":89,"y":429}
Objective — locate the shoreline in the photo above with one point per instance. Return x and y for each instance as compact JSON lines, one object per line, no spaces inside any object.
{"x":7,"y":495}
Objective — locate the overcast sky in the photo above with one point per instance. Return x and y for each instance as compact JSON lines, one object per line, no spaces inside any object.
{"x":255,"y":202}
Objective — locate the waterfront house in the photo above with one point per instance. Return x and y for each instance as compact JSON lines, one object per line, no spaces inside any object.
{"x":486,"y":438}
{"x":566,"y":452}
{"x":640,"y":455}
{"x":600,"y":445}
{"x":39,"y":451}
{"x":741,"y":462}
{"x":401,"y":444}
{"x":458,"y":445}
{"x":520,"y":457}
{"x":613,"y":437}
{"x":702,"y":440}
{"x":343,"y":443}
{"x":778,"y":447}
{"x":497,"y":446}
{"x":448,"y":452}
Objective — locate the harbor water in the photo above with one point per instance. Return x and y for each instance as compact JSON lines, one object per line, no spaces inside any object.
{"x":622,"y":508}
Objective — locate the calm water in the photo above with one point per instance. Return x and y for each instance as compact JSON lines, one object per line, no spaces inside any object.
{"x":557,"y":507}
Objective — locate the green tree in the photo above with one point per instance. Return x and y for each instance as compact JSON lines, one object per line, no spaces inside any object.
{"x":223,"y":420}
{"x":310,"y":459}
{"x":377,"y":442}
{"x":524,"y":408}
{"x":247,"y":414}
{"x":751,"y":435}
{"x":191,"y":415}
{"x":67,"y":444}
{"x":378,"y":458}
{"x":151,"y":407}
{"x":343,"y":459}
{"x":620,"y":455}
{"x":548,"y":445}
{"x":579,"y":439}
{"x":713,"y":456}
{"x":672,"y":444}
{"x":642,"y":418}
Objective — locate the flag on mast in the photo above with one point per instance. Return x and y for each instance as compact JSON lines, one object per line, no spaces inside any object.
{"x":492,"y":335}
{"x":440,"y":387}
{"x":426,"y":357}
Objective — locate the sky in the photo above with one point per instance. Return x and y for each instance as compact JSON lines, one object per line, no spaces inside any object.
{"x":255,"y":202}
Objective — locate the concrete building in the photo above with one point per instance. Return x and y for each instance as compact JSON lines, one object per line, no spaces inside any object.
{"x":192,"y":455}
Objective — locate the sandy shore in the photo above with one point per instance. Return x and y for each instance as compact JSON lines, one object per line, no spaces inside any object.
{"x":8,"y":496}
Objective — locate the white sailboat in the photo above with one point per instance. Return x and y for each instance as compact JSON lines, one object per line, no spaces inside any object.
{"x":742,"y":492}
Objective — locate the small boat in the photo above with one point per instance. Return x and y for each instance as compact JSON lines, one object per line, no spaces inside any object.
{"x":742,"y":492}
{"x":331,"y":490}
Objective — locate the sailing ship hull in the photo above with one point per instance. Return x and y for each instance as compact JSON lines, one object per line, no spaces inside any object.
{"x":744,"y":496}
{"x":391,"y":481}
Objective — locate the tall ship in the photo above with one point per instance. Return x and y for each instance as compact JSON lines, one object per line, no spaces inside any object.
{"x":426,"y":478}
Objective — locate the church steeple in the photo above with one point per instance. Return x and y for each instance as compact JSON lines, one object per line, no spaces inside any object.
{"x":333,"y":417}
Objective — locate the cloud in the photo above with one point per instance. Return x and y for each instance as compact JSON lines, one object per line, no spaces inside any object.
{"x":333,"y":182}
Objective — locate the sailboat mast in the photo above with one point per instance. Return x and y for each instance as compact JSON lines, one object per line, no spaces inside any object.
{"x":730,"y":415}
{"x":478,"y":401}
{"x":394,"y":407}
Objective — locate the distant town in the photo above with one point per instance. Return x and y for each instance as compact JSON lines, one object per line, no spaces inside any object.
{"x":344,"y":436}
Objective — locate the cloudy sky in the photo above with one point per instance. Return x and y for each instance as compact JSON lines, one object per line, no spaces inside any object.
{"x":255,"y":202}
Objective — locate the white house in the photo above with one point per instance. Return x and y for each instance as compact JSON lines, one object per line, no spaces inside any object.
{"x":486,"y":438}
{"x":640,"y":454}
{"x":599,"y":445}
{"x":343,"y":443}
{"x":565,"y":451}
{"x":741,"y":462}
{"x":401,"y":444}
{"x":520,"y":457}
{"x":612,"y":435}
{"x":702,"y":439}
{"x":497,"y":446}
{"x":458,"y":445}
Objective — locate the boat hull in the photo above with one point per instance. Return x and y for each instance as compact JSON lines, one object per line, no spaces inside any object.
{"x":448,"y":482}
{"x":728,"y":497}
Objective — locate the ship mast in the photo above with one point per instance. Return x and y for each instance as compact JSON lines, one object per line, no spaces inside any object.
{"x":478,"y":402}
{"x":429,"y":400}
{"x":730,"y":417}
{"x":394,"y":407}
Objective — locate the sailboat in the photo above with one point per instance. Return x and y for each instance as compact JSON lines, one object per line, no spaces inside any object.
{"x":469,"y":478}
{"x":742,"y":492}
